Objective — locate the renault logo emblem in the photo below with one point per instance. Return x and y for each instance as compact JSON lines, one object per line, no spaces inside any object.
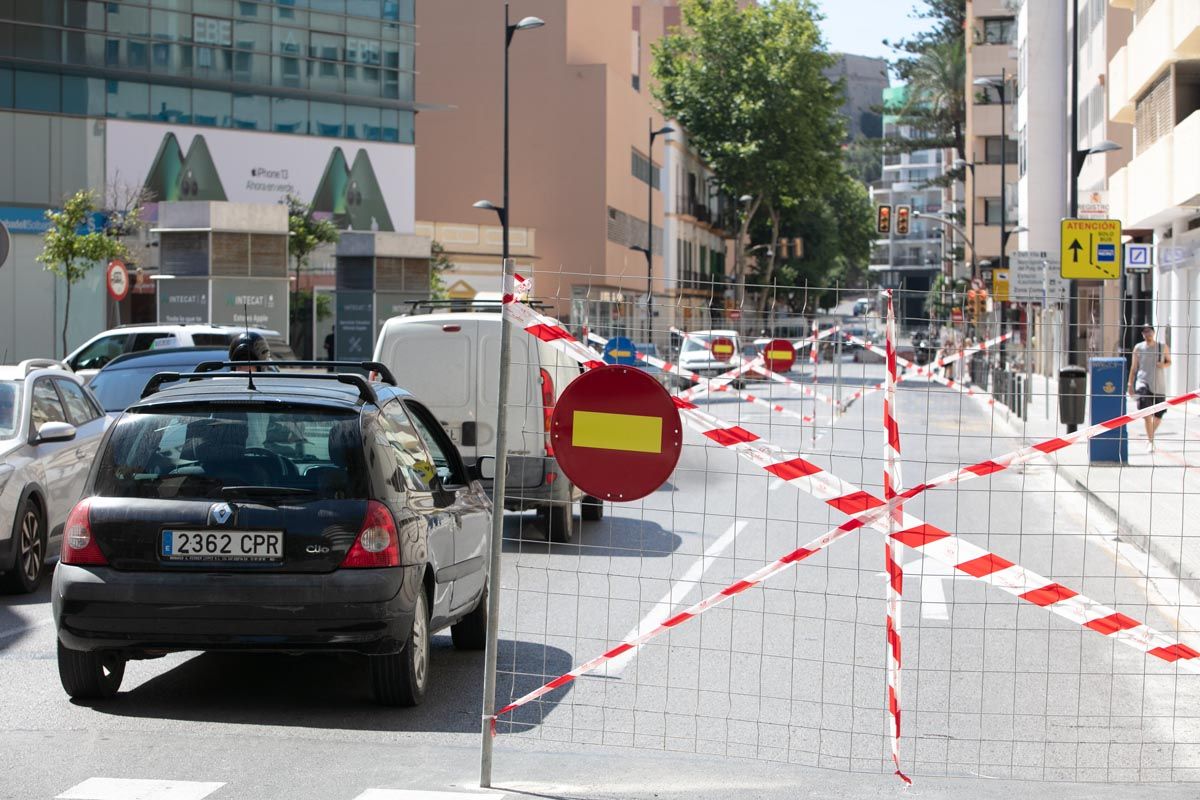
{"x":221,"y":512}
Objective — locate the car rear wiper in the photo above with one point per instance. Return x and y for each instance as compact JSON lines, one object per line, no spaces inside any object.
{"x":265,"y":491}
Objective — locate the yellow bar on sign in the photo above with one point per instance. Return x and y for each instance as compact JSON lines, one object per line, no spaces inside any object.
{"x":620,"y":353}
{"x":629,"y":432}
{"x":722,"y":348}
{"x":778,"y":355}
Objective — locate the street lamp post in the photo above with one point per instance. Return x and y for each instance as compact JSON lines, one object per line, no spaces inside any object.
{"x":498,"y":484}
{"x":649,"y":248}
{"x":960,"y":163}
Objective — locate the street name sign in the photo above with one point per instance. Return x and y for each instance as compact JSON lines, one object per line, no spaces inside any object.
{"x":1034,"y":278}
{"x":1090,"y":249}
{"x":616,"y":433}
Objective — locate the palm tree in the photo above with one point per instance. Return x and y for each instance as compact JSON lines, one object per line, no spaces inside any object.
{"x":937,"y":92}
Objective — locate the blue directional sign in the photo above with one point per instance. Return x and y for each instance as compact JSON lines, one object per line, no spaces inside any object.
{"x":620,"y":350}
{"x":1139,"y":257}
{"x":1106,"y":253}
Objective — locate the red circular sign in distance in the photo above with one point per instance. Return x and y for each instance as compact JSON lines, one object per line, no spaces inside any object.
{"x":616,"y":433}
{"x":117,"y":278}
{"x":722,"y":348}
{"x":779,"y":355}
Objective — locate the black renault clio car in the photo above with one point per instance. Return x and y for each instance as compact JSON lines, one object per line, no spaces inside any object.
{"x":273,"y":512}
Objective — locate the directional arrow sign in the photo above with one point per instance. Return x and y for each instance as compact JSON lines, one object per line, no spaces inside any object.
{"x":1091,"y":249}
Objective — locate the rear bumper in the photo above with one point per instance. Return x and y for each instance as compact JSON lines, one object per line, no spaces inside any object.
{"x":368,"y":611}
{"x":529,"y":486}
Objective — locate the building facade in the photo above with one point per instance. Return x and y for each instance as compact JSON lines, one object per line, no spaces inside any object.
{"x":196,"y":100}
{"x":1153,"y":88}
{"x":864,"y":80}
{"x":908,"y":263}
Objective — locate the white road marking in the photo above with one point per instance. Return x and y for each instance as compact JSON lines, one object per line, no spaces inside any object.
{"x":418,"y":794}
{"x":932,"y":575}
{"x":133,"y":789}
{"x":679,"y":590}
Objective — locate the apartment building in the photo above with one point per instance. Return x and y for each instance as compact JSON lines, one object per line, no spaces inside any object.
{"x":1154,"y":87}
{"x":908,"y":263}
{"x":581,"y":166}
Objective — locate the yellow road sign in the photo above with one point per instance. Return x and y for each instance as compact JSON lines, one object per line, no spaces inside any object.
{"x":1091,"y":249}
{"x":1000,"y":285}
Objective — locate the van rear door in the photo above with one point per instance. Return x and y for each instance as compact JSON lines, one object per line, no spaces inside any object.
{"x":526,"y":422}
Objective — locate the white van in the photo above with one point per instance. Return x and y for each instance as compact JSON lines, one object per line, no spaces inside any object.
{"x":452,"y":362}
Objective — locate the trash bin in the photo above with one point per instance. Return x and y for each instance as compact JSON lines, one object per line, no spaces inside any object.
{"x":1072,"y":395}
{"x":1108,"y":402}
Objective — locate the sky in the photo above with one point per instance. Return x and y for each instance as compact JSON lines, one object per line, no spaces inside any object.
{"x":860,"y":26}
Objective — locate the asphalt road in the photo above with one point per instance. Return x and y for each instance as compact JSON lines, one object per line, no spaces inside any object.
{"x":778,"y":689}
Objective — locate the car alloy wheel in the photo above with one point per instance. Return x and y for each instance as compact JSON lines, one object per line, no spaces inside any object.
{"x":32,"y":555}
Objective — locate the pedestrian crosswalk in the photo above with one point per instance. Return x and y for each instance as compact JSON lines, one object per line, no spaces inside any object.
{"x":152,"y":789}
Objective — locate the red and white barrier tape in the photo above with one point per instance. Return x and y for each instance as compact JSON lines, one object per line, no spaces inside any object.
{"x":866,"y":509}
{"x":812,"y":352}
{"x":891,"y":548}
{"x":933,"y":376}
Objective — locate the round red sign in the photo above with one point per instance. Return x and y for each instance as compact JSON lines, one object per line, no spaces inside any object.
{"x":616,"y":433}
{"x":117,"y":278}
{"x":779,"y":355}
{"x":722,"y":348}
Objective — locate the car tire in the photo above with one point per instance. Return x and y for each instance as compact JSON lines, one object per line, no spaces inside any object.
{"x":400,"y":679}
{"x":89,"y":675}
{"x":29,"y":544}
{"x":592,"y":509}
{"x":470,"y":632}
{"x":558,"y":521}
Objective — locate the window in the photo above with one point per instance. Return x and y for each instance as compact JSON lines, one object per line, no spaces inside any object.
{"x":37,"y":91}
{"x":412,"y":459}
{"x":251,"y":112}
{"x":10,"y":397}
{"x":444,"y":461}
{"x":999,"y":30}
{"x":328,"y":119}
{"x":991,"y":211}
{"x":100,"y":352}
{"x":289,"y":116}
{"x":46,"y":405}
{"x":170,"y":104}
{"x":1154,"y":112}
{"x":993,"y":151}
{"x":80,"y":410}
{"x":211,"y":108}
{"x":645,"y":171}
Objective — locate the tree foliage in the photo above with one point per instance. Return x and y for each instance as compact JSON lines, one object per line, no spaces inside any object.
{"x":306,"y":233}
{"x":749,"y":86}
{"x":933,"y":65}
{"x":439,"y":263}
{"x":74,"y":245}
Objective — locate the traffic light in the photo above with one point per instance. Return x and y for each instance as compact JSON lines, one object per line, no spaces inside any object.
{"x":883,"y":220}
{"x":902,"y":213}
{"x":972,"y":309}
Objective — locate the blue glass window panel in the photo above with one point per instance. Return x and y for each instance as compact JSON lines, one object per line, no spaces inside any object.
{"x":37,"y":91}
{"x":289,"y":116}
{"x":128,"y":100}
{"x":327,"y":119}
{"x":289,"y":72}
{"x":330,"y":6}
{"x":389,"y":125}
{"x":137,"y":54}
{"x":211,"y":108}
{"x":6,"y":88}
{"x":407,"y":127}
{"x":171,"y":104}
{"x":82,"y":96}
{"x":85,"y":48}
{"x":363,"y":8}
{"x":128,"y":20}
{"x":251,"y":112}
{"x":363,"y":123}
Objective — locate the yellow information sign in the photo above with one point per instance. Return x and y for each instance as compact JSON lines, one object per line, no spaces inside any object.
{"x":1000,"y":285}
{"x":1091,"y":249}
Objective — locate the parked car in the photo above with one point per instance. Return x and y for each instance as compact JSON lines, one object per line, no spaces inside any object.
{"x":696,"y":354}
{"x":119,"y":383}
{"x":102,"y":348}
{"x":290,"y":512}
{"x":452,"y":361}
{"x":50,"y":427}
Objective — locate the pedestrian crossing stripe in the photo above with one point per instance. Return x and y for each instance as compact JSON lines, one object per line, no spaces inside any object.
{"x":420,"y":794}
{"x":630,"y":432}
{"x":138,"y":789}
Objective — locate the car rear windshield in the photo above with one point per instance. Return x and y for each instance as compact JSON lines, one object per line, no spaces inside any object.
{"x":210,"y":453}
{"x":10,"y":395}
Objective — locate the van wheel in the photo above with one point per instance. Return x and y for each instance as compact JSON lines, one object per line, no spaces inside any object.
{"x":592,"y":509}
{"x":89,"y":675}
{"x":470,"y":632}
{"x":558,"y":522}
{"x":400,"y":679}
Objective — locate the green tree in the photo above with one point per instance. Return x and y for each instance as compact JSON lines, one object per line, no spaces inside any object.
{"x":305,"y":234}
{"x":74,"y":245}
{"x":749,"y":86}
{"x":439,"y":263}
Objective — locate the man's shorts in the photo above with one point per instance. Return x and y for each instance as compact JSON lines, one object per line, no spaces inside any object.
{"x":1145,"y":400}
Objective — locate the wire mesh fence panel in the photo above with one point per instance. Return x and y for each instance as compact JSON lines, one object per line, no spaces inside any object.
{"x":1086,"y":674}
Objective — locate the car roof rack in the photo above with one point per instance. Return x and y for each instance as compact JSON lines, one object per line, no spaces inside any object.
{"x":365,"y":392}
{"x":385,"y":374}
{"x":30,"y":364}
{"x":430,"y":306}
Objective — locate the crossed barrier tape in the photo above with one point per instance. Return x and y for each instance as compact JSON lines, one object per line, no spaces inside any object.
{"x":865,"y":509}
{"x":933,"y":376}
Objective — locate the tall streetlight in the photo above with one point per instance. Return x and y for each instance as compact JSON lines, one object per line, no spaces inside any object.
{"x":498,"y":485}
{"x":960,"y":163}
{"x":649,"y":248}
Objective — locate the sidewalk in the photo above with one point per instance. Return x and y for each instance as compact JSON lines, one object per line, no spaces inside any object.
{"x":1152,"y":496}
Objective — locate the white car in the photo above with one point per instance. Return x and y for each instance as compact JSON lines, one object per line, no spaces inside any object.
{"x":93,"y":354}
{"x":50,"y":429}
{"x":709,"y":353}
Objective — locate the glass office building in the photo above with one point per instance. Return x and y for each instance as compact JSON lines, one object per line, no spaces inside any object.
{"x":334,"y":68}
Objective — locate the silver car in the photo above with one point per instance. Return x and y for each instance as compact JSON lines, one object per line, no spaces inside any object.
{"x":50,"y":428}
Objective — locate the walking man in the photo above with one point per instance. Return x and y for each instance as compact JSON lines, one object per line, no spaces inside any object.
{"x":1145,"y":382}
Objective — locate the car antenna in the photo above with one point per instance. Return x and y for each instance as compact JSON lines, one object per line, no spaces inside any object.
{"x":246,"y":321}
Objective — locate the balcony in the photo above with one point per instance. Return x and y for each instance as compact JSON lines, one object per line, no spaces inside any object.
{"x":1163,"y":183}
{"x":1169,"y":32}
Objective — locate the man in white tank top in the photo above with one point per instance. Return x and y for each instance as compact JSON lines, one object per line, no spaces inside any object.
{"x":1145,"y":380}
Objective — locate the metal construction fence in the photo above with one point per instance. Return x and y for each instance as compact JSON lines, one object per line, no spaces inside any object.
{"x":1034,"y":589}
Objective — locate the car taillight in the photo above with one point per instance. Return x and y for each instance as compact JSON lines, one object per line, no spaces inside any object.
{"x":547,"y":408}
{"x":78,"y":545}
{"x":377,"y":544}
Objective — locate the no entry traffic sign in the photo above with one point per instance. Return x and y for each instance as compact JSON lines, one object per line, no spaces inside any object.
{"x":722,"y":348}
{"x":779,"y":355}
{"x":616,"y":433}
{"x":117,"y":279}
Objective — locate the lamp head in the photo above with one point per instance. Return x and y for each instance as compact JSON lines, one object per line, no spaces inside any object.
{"x":746,"y":199}
{"x":665,"y":129}
{"x":1106,"y":146}
{"x":529,"y":23}
{"x":486,"y":205}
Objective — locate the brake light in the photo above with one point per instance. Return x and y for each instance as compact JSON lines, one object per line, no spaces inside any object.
{"x":547,"y":408}
{"x":78,"y":545}
{"x":377,"y":544}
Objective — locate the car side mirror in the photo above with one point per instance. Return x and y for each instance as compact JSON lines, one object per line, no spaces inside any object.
{"x":55,"y":432}
{"x":484,"y":469}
